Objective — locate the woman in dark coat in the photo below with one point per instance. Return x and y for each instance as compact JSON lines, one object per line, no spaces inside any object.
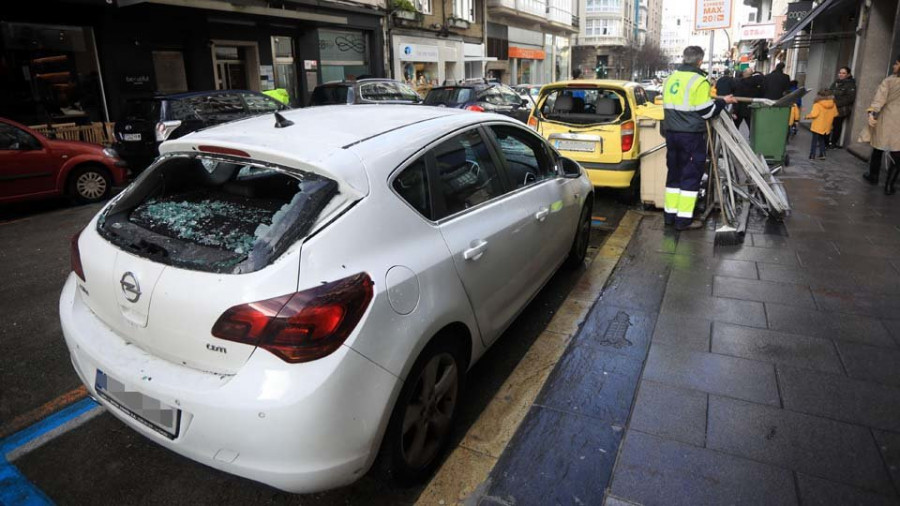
{"x":844,"y":90}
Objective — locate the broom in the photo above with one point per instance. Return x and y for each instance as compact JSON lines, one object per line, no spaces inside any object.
{"x":726,"y":235}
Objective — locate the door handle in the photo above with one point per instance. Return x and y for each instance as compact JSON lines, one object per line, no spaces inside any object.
{"x":474,"y":253}
{"x":543,"y":213}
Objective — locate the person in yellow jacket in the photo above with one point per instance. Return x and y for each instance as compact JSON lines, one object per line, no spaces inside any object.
{"x":822,"y":114}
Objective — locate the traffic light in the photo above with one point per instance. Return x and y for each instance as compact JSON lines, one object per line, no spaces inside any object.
{"x":600,"y":71}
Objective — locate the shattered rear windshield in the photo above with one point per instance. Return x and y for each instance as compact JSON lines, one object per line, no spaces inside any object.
{"x":216,"y":215}
{"x":584,"y":106}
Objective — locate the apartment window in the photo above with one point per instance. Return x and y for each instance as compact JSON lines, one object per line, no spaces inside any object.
{"x":423,"y":6}
{"x":464,"y":9}
{"x":603,"y":27}
{"x":604,"y":6}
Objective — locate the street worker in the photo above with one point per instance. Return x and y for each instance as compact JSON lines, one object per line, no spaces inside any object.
{"x":776,"y":83}
{"x":687,"y":106}
{"x":884,"y":118}
{"x":822,"y":114}
{"x":279,"y":94}
{"x":844,"y":90}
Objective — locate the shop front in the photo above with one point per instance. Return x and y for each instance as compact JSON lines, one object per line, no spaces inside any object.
{"x":424,"y":63}
{"x":527,"y":64}
{"x":52,"y":74}
{"x":80,"y":63}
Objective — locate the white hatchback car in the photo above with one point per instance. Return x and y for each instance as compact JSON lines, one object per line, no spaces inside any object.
{"x":282,"y":302}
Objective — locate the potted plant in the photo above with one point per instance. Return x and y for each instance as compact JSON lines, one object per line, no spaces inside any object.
{"x":404,"y":9}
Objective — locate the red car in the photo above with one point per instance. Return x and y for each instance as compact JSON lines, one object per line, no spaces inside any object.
{"x":33,"y":166}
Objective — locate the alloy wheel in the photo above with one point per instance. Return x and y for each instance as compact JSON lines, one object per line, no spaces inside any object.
{"x":429,"y":413}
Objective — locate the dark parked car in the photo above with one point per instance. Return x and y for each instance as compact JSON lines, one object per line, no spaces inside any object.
{"x":529,"y":91}
{"x":33,"y":166}
{"x":147,"y":122}
{"x":364,"y":91}
{"x":481,"y":96}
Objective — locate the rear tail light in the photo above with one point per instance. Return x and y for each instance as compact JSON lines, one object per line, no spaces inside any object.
{"x":476,"y":108}
{"x":75,"y":256}
{"x":627,"y":136}
{"x":165,"y":128}
{"x":533,"y":122}
{"x":301,"y":327}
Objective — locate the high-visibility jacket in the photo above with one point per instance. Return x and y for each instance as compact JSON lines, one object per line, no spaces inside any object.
{"x":279,"y":94}
{"x":687,"y":101}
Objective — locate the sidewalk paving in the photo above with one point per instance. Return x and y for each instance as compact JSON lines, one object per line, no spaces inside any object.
{"x":770,"y":371}
{"x":773,"y":376}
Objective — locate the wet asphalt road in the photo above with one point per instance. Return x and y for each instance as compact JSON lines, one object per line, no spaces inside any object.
{"x":105,"y":462}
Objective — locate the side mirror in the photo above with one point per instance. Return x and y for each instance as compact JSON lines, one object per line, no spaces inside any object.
{"x":526,"y":102}
{"x":569,"y":168}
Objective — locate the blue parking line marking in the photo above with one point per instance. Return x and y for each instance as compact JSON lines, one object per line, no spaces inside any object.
{"x":15,"y":489}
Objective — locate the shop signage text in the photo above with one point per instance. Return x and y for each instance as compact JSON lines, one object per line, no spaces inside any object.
{"x":528,"y":54}
{"x":755,"y":32}
{"x":137,"y":82}
{"x":418,"y":52}
{"x":712,"y":14}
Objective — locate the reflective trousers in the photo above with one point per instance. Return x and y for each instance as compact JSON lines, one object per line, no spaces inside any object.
{"x":685,"y":159}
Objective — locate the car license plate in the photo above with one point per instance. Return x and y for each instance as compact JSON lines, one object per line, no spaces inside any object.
{"x":154,"y":414}
{"x":131,"y":137}
{"x":567,"y":145}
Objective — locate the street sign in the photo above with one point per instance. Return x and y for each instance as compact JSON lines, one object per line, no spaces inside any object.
{"x":757,"y":31}
{"x":712,"y":14}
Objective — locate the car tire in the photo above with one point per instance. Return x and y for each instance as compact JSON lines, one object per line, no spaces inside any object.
{"x":424,"y":414}
{"x":88,"y":184}
{"x":582,"y":238}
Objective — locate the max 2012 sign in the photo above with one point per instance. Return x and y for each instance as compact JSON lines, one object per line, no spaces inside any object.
{"x":712,"y":14}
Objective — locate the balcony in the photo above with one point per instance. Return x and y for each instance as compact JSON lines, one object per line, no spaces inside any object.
{"x":549,"y":14}
{"x":601,"y":40}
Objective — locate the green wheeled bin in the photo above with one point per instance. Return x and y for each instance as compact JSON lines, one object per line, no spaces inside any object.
{"x":769,"y":132}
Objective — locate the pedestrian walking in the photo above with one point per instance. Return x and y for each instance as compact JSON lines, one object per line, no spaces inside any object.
{"x":749,"y":86}
{"x":884,"y":118}
{"x":844,"y":90}
{"x":687,"y":106}
{"x":822,"y":114}
{"x":725,"y":85}
{"x":776,"y":83}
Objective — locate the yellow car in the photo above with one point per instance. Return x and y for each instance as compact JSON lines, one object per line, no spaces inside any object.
{"x":595,"y":122}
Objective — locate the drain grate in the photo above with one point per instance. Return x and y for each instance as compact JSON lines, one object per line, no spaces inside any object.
{"x":615,"y":332}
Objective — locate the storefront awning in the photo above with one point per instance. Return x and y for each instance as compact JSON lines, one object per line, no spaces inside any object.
{"x":824,"y":6}
{"x":239,"y":8}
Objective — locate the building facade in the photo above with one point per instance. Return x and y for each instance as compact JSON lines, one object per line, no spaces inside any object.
{"x":81,"y":61}
{"x":864,"y":36}
{"x":442,"y":41}
{"x":528,"y":41}
{"x":611,"y":34}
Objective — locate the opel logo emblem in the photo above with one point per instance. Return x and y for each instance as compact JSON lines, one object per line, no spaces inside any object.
{"x":130,"y":287}
{"x":127,"y":128}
